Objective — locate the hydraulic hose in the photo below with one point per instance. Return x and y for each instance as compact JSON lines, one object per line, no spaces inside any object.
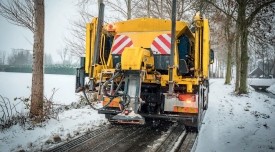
{"x":104,"y":90}
{"x":104,"y":86}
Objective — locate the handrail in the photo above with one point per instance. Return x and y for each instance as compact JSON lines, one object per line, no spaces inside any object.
{"x":101,"y":54}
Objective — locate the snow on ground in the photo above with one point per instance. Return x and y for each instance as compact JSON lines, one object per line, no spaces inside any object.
{"x":16,"y":85}
{"x":232,"y":123}
{"x":70,"y":124}
{"x":237,"y":123}
{"x":261,"y":82}
{"x":271,"y":89}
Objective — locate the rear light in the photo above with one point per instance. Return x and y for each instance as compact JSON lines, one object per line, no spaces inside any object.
{"x":187,"y":97}
{"x":126,"y":112}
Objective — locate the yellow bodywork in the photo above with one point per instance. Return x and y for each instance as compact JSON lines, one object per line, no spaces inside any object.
{"x":90,"y":40}
{"x":142,"y":32}
{"x":152,"y":25}
{"x":202,"y":59}
{"x":206,"y":49}
{"x":143,"y":37}
{"x":133,"y":58}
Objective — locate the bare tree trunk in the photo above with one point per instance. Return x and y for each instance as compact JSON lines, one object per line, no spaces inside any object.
{"x":268,"y":68}
{"x":229,"y":66}
{"x":243,"y":29}
{"x":244,"y":65}
{"x":263,"y":61}
{"x":229,"y":54}
{"x":237,"y":53}
{"x":273,"y":67}
{"x":37,"y":69}
{"x":216,"y":68}
{"x":221,"y":69}
{"x":238,"y":65}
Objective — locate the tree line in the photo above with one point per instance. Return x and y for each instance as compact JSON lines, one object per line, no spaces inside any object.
{"x":242,"y":31}
{"x":25,"y":57}
{"x":21,"y":57}
{"x":20,"y":60}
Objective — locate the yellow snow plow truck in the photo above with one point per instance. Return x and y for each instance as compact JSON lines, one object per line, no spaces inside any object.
{"x":147,"y":68}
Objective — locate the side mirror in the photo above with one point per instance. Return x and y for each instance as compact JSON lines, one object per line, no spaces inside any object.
{"x":211,"y":56}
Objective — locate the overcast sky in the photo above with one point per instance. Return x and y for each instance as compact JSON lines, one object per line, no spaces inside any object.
{"x":58,"y":14}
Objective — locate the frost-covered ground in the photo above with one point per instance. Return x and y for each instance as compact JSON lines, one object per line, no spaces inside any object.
{"x":271,"y":89}
{"x":232,"y":123}
{"x":261,"y":82}
{"x":69,"y":124}
{"x":270,"y":83}
{"x":237,"y":123}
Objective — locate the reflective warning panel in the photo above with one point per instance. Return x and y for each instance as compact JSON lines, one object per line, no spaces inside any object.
{"x":120,"y":42}
{"x":161,"y":44}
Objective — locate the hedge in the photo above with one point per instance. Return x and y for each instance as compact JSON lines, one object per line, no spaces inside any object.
{"x":53,"y":69}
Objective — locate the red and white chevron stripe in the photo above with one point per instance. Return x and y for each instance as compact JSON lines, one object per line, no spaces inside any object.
{"x":120,"y":42}
{"x":161,"y":44}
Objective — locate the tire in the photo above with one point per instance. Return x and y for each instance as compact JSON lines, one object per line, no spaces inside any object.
{"x":200,"y":109}
{"x":205,"y":99}
{"x":206,"y":95}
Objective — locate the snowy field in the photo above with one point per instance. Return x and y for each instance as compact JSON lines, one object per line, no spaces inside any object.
{"x":16,"y":85}
{"x":232,"y":123}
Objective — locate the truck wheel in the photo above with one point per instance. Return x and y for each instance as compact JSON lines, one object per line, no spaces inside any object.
{"x":206,"y":95}
{"x":205,"y":99}
{"x":200,"y":109}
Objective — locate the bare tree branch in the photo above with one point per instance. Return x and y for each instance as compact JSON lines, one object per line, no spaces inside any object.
{"x":257,"y":10}
{"x":220,"y":9}
{"x":19,"y":13}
